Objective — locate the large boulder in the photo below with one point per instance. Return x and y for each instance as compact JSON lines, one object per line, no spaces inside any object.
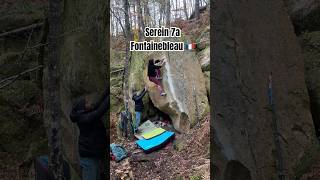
{"x":83,"y":65}
{"x":186,"y":101}
{"x":21,"y":124}
{"x":136,"y":83}
{"x":251,"y":40}
{"x":22,"y":133}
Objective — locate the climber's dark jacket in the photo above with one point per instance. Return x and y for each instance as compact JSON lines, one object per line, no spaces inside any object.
{"x":152,"y":69}
{"x":138,"y":101}
{"x":93,"y":137}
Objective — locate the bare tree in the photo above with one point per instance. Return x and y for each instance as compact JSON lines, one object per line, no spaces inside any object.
{"x":154,"y":22}
{"x":127,"y":60}
{"x":191,"y":7}
{"x":134,"y":15}
{"x":40,"y":58}
{"x":140,"y":20}
{"x":147,"y":15}
{"x":176,"y":13}
{"x":197,"y":9}
{"x":168,"y":12}
{"x":53,"y":104}
{"x":185,"y":9}
{"x":162,"y":10}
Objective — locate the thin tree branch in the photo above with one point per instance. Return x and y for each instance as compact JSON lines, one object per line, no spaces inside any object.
{"x":119,"y":20}
{"x":12,"y":79}
{"x":32,"y":26}
{"x":118,"y":70}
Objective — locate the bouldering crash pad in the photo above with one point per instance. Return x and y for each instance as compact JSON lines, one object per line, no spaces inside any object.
{"x":149,"y":145}
{"x":153,"y":133}
{"x":144,"y":128}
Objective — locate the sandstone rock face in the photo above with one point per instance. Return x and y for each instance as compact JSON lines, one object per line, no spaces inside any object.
{"x":250,"y":40}
{"x":136,"y":83}
{"x":22,"y":134}
{"x":186,"y":100}
{"x":302,"y":6}
{"x":204,"y":59}
{"x":83,"y":63}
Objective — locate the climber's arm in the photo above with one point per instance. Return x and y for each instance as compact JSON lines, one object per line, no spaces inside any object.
{"x":104,"y":95}
{"x":91,"y":116}
{"x":159,"y":64}
{"x":142,"y":93}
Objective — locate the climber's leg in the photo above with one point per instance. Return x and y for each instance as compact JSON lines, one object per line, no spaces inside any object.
{"x":138,"y":118}
{"x":158,"y":83}
{"x":158,"y":72}
{"x":90,"y":168}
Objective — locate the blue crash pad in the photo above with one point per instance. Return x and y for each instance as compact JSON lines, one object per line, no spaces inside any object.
{"x":154,"y":143}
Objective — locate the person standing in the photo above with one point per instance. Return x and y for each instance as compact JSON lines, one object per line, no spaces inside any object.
{"x":138,"y":106}
{"x":93,"y":137}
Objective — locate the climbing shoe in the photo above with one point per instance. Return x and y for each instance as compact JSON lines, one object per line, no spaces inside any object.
{"x":163,"y":94}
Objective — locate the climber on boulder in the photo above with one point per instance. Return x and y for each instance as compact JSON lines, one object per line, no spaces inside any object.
{"x":154,"y":73}
{"x":137,"y":98}
{"x":93,"y":138}
{"x":158,"y":71}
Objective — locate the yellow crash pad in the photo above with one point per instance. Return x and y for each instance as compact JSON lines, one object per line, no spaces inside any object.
{"x":153,"y":133}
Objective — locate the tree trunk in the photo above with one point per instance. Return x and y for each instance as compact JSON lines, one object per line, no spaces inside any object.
{"x":135,"y":19}
{"x":191,"y":7}
{"x":147,"y":15}
{"x":53,"y":105}
{"x":140,"y":20}
{"x":176,"y":14}
{"x":168,"y":12}
{"x":43,"y":41}
{"x":161,"y":13}
{"x":127,"y":60}
{"x":185,"y":9}
{"x":197,"y":9}
{"x":84,"y":64}
{"x":154,"y":16}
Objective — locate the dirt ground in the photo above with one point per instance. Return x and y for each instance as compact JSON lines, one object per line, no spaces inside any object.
{"x":185,"y":157}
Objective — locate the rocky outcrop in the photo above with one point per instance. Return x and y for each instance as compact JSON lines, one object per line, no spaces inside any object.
{"x":311,"y":51}
{"x":250,"y":40}
{"x":305,"y":14}
{"x":83,"y":63}
{"x":204,"y":59}
{"x":186,"y":101}
{"x":20,"y":13}
{"x":22,"y":133}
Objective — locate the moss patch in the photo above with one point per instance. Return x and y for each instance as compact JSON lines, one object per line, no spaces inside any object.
{"x":195,"y":177}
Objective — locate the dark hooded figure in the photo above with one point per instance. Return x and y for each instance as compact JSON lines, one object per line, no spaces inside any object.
{"x":93,"y":138}
{"x":137,"y":98}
